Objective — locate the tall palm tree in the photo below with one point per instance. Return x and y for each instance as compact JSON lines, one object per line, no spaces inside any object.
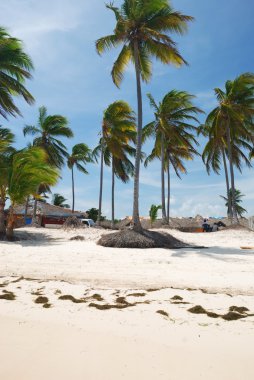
{"x":118,"y":130}
{"x":58,"y":200}
{"x":173,"y":131}
{"x":142,"y":28}
{"x":49,"y":130}
{"x":28,"y":169}
{"x":215,"y":153}
{"x":6,"y":151}
{"x":80,"y":156}
{"x":233,"y":119}
{"x":15,"y":68}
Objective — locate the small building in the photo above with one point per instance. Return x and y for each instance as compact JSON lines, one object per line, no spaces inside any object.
{"x":47,"y":215}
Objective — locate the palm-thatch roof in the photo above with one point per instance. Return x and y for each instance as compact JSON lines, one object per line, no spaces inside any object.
{"x":144,"y":239}
{"x":47,"y":209}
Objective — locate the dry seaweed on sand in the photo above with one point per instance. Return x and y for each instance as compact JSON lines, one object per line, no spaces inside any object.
{"x":176,"y":298}
{"x":233,"y":316}
{"x":47,"y":305}
{"x":97,"y":297}
{"x":162,"y":312}
{"x":197,"y":310}
{"x":108,"y":306}
{"x":239,"y":309}
{"x":41,"y":299}
{"x":78,"y":237}
{"x":9,"y":296}
{"x":72,"y":223}
{"x":136,"y":295}
{"x":144,"y":239}
{"x":69,"y":297}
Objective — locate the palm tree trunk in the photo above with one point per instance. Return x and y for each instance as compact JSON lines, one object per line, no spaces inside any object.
{"x":113,"y":195}
{"x":101,"y":185}
{"x":230,"y":215}
{"x":136,"y":221}
{"x":34,"y":221}
{"x":2,"y":219}
{"x":168,"y":175}
{"x":235,"y":218}
{"x":73,"y":194}
{"x":163,"y":205}
{"x":26,"y":209}
{"x":10,"y":225}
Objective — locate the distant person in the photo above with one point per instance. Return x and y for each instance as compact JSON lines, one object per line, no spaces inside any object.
{"x":206,"y":226}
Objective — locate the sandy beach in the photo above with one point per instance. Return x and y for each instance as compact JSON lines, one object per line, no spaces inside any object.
{"x":73,"y":309}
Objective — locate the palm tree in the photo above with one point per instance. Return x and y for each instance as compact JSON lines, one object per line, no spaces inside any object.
{"x":80,"y":156}
{"x":238,"y":199}
{"x":215,"y":152}
{"x":48,"y":131}
{"x":233,"y":119}
{"x":28,"y":169}
{"x":6,"y":151}
{"x":58,"y":200}
{"x":118,"y":130}
{"x":15,"y":68}
{"x":142,"y":27}
{"x":153,"y":213}
{"x":172,"y":129}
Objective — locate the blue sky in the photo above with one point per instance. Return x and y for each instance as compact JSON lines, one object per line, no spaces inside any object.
{"x":72,"y":80}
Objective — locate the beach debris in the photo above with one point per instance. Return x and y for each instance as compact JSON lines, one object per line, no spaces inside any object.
{"x":78,"y":237}
{"x":233,"y":316}
{"x":9,"y":296}
{"x":68,"y":297}
{"x":162,"y":312}
{"x":72,"y":222}
{"x":41,"y":299}
{"x":197,"y":310}
{"x":176,"y":298}
{"x":239,"y":309}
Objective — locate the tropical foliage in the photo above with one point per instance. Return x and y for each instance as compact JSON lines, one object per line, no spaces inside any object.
{"x":58,"y":200}
{"x":142,"y":30}
{"x":230,"y":125}
{"x":118,"y":132}
{"x":27,"y":169}
{"x":15,"y":68}
{"x":238,"y":200}
{"x":173,"y":131}
{"x":153,"y":213}
{"x":80,"y":156}
{"x":48,"y":132}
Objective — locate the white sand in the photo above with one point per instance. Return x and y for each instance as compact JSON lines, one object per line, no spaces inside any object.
{"x":78,"y":341}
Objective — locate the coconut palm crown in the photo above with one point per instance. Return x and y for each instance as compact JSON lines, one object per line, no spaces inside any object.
{"x":142,"y":28}
{"x":15,"y":68}
{"x":49,"y":130}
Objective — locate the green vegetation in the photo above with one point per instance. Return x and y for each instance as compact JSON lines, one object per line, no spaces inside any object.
{"x":142,"y":29}
{"x":153,"y":213}
{"x":58,"y":200}
{"x":238,"y":200}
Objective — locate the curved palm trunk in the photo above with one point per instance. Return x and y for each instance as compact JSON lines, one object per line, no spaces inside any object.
{"x":34,"y":221}
{"x":10,"y":225}
{"x":2,"y":219}
{"x":168,"y":177}
{"x":73,"y":194}
{"x":163,"y":205}
{"x":101,"y":186}
{"x":230,"y":214}
{"x":136,"y":220}
{"x":113,"y":195}
{"x":235,"y":218}
{"x":26,"y":209}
